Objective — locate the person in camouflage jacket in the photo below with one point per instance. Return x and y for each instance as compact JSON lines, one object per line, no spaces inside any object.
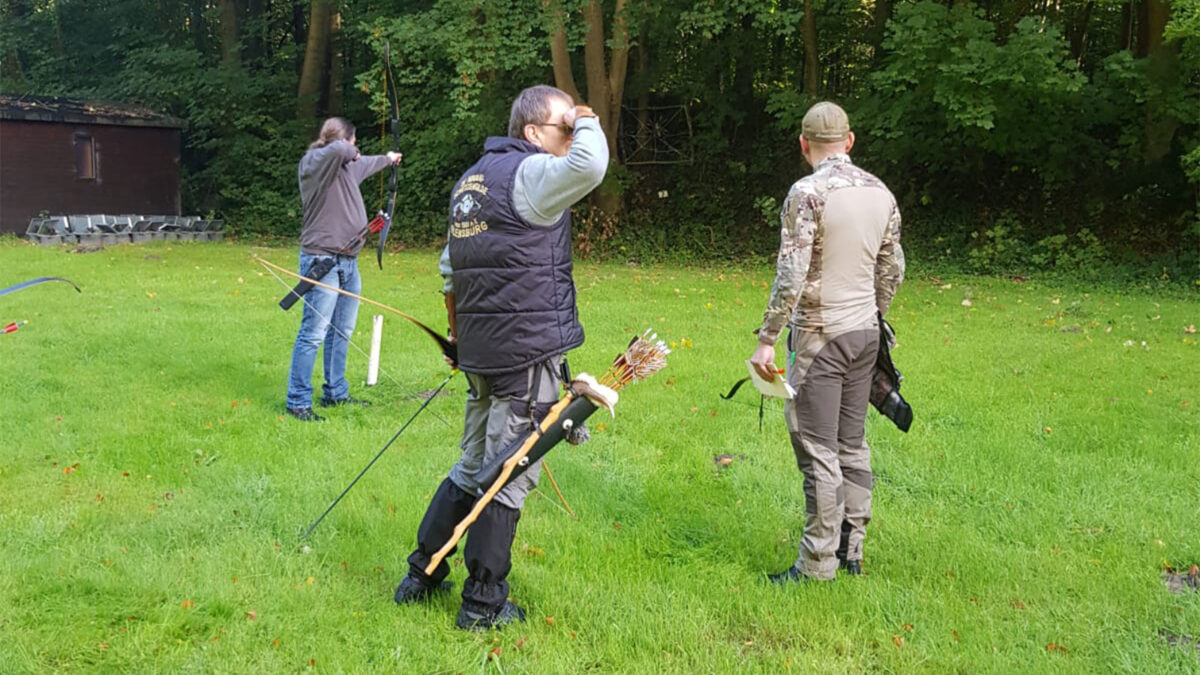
{"x":840,"y":264}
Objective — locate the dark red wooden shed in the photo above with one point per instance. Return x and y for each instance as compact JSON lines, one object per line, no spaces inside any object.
{"x":64,"y":156}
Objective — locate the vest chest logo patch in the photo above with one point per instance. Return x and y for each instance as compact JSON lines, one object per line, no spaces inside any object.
{"x":464,"y":209}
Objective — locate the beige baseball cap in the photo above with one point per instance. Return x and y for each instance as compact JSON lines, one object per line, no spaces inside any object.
{"x":826,"y":122}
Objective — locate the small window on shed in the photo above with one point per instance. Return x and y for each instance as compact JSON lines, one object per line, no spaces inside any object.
{"x":85,"y":157}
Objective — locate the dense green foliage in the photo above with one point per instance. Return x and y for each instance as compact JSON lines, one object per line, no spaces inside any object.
{"x":152,"y":492}
{"x":1017,"y":135}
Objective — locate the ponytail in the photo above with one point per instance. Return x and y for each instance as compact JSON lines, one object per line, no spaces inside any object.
{"x":334,"y":129}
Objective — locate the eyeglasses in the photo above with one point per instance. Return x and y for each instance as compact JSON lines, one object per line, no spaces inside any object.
{"x":562,"y":126}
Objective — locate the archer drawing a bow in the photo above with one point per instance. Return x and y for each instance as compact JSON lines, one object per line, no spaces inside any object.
{"x":585,"y":395}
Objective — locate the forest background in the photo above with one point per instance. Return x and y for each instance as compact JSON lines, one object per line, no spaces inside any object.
{"x":1019,"y":135}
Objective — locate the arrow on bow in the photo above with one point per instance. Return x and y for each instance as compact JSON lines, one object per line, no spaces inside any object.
{"x":394,"y":122}
{"x":449,"y":349}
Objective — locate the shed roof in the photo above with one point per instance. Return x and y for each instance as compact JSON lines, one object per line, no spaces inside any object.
{"x":77,"y":111}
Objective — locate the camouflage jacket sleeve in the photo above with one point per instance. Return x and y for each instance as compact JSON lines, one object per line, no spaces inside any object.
{"x":889,"y":264}
{"x":799,"y":227}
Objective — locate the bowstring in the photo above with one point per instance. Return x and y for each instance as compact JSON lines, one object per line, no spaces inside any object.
{"x":383,"y":122}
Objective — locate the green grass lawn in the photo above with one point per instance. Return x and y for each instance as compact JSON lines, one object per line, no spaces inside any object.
{"x":152,"y":493}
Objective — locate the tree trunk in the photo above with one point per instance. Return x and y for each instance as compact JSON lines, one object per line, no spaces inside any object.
{"x":643,"y":102}
{"x":333,"y":98}
{"x":255,"y":10}
{"x":313,"y":72}
{"x":1164,"y":72}
{"x":1077,"y":31}
{"x":560,"y":56}
{"x":12,"y":64}
{"x":1126,"y":35}
{"x":812,"y":69}
{"x":879,"y":18}
{"x":299,"y":27}
{"x":195,"y":24}
{"x":231,"y":44}
{"x":618,"y":68}
{"x":606,"y":86}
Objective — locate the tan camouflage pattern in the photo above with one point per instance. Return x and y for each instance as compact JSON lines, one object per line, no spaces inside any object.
{"x":796,"y":295}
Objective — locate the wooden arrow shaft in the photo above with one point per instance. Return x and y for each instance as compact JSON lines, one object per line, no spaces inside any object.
{"x":509,"y":465}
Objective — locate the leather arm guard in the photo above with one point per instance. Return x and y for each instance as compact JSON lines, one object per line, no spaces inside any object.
{"x":316,"y":270}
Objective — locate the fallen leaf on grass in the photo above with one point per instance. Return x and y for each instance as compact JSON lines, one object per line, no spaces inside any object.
{"x":617,"y":526}
{"x":252,"y":615}
{"x":187,"y":604}
{"x":520,"y":642}
{"x":103,"y":646}
{"x":898,"y":640}
{"x":907,"y":626}
{"x":275,"y":643}
{"x":1052,"y":647}
{"x":495,"y":653}
{"x":549,"y":621}
{"x":1190,"y":329}
{"x":725,"y":460}
{"x":1017,"y":603}
{"x":954,"y":634}
{"x":310,"y":581}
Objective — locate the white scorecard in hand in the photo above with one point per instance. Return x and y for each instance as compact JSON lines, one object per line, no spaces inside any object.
{"x":778,"y":388}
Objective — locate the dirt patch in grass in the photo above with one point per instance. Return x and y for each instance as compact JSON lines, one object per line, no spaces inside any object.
{"x":1184,"y":642}
{"x":1183,"y":579}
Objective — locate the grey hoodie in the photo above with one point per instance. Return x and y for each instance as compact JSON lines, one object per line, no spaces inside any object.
{"x":334,"y":214}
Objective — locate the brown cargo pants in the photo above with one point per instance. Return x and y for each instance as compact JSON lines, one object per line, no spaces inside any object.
{"x":832,"y":378}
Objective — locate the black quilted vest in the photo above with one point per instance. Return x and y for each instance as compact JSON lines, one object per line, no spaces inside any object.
{"x":514,"y":294}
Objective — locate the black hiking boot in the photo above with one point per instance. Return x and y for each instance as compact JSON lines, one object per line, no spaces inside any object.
{"x":791,"y":575}
{"x":305,"y":415}
{"x":413,"y":590}
{"x":852,"y":567}
{"x":480,"y":621}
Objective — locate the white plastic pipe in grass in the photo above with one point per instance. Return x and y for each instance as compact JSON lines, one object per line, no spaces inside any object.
{"x":373,"y":359}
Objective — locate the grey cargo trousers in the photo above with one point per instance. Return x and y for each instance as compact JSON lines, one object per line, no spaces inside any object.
{"x":826,"y":422}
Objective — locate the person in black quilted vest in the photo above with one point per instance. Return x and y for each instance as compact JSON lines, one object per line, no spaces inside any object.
{"x":511,"y":302}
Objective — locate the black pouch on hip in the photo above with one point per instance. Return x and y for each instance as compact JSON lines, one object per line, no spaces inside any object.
{"x":318,"y":269}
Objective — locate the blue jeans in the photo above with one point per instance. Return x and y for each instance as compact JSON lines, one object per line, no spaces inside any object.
{"x":328,"y":318}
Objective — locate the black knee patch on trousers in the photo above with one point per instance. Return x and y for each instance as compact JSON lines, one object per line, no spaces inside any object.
{"x":488,"y":555}
{"x":843,"y":548}
{"x":450,"y":504}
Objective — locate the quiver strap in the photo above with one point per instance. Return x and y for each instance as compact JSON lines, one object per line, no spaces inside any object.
{"x":317,"y":270}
